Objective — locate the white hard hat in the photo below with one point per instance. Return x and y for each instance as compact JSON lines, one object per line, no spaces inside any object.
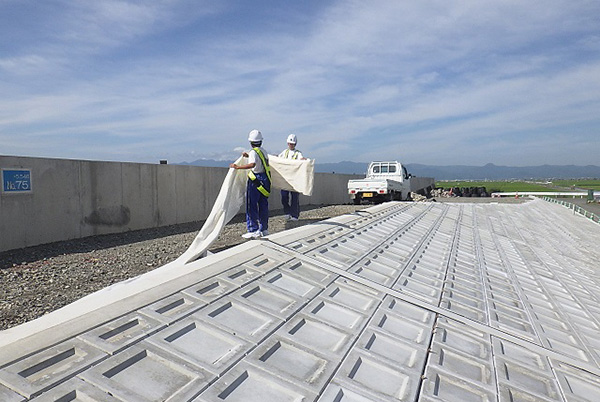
{"x":255,"y":136}
{"x":292,"y":139}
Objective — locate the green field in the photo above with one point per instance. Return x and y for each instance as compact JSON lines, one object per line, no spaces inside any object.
{"x":569,"y":184}
{"x":498,"y":186}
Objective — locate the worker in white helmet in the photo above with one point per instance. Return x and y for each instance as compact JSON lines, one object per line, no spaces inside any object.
{"x":290,"y":199}
{"x":258,"y":189}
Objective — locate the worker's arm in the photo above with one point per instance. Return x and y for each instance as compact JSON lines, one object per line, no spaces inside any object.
{"x":248,"y":166}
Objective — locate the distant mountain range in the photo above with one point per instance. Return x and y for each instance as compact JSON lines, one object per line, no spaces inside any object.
{"x":452,"y":172}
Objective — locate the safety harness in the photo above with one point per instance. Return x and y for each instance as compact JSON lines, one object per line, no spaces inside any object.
{"x":253,"y":177}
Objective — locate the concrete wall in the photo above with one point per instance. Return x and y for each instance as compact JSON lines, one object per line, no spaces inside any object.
{"x":72,"y":199}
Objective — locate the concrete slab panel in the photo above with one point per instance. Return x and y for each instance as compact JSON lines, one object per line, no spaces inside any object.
{"x":409,"y":311}
{"x":75,"y":390}
{"x":399,"y":327}
{"x":293,"y":284}
{"x":202,"y":344}
{"x":265,"y":297}
{"x":122,"y":333}
{"x":378,"y":377}
{"x":577,"y":384}
{"x":9,"y":395}
{"x":518,"y":376}
{"x":309,"y":272}
{"x":247,"y":383}
{"x":318,"y":335}
{"x":441,"y":386}
{"x":397,"y":351}
{"x":210,"y":289}
{"x":173,"y":308}
{"x":146,"y":373}
{"x":352,"y":297}
{"x":462,"y":365}
{"x":335,"y":314}
{"x":240,"y":319}
{"x":46,"y":369}
{"x":341,"y":392}
{"x":306,"y":367}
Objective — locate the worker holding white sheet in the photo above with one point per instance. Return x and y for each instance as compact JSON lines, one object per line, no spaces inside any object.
{"x":258,"y":188}
{"x":291,"y":199}
{"x":286,"y":174}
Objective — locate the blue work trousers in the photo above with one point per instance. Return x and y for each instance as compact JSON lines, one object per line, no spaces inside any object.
{"x":257,"y":205}
{"x":291,"y":208}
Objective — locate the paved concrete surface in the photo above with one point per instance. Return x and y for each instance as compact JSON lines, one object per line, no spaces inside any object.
{"x":399,"y":302}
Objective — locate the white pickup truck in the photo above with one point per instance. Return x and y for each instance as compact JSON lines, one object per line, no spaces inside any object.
{"x":387,"y":181}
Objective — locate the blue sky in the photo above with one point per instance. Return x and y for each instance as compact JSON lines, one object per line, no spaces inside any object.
{"x":442,"y":82}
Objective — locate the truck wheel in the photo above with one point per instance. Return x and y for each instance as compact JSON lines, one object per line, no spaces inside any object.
{"x":356,"y":201}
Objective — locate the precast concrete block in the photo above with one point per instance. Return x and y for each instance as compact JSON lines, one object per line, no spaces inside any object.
{"x":474,"y":292}
{"x":418,"y":290}
{"x":335,"y":314}
{"x":146,"y":373}
{"x":8,"y":395}
{"x":210,"y":289}
{"x":309,"y":272}
{"x":334,"y":254}
{"x":387,"y":257}
{"x":379,"y":377}
{"x":399,"y":326}
{"x":304,"y":366}
{"x":308,"y":239}
{"x":357,"y":297}
{"x":344,"y":392}
{"x":293,"y":284}
{"x":248,"y":383}
{"x":576,"y":352}
{"x":270,"y":299}
{"x":477,"y":314}
{"x":121,"y":333}
{"x":373,"y":275}
{"x":456,"y":296}
{"x":173,"y":308}
{"x":510,"y":393}
{"x":202,"y":344}
{"x":409,"y":311}
{"x":500,"y":309}
{"x":514,"y":375}
{"x":461,"y":365}
{"x":241,"y":275}
{"x":48,"y":368}
{"x":425,"y":276}
{"x":576,"y":384}
{"x":317,"y":335}
{"x":409,"y":356}
{"x":521,"y":355}
{"x":265,"y":263}
{"x":519,"y":328}
{"x":240,"y":319}
{"x":461,"y":337}
{"x":441,"y":386}
{"x":75,"y":390}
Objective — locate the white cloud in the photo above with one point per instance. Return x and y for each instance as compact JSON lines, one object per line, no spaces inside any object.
{"x":362,"y":79}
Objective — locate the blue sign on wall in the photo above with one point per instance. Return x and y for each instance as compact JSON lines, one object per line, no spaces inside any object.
{"x":16,"y":181}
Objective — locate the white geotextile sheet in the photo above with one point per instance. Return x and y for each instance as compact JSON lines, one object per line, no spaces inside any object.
{"x":292,"y":174}
{"x":286,"y":174}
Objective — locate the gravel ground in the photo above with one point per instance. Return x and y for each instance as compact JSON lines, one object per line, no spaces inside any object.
{"x":37,"y":280}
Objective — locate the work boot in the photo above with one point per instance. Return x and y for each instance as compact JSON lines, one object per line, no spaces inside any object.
{"x":251,"y":235}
